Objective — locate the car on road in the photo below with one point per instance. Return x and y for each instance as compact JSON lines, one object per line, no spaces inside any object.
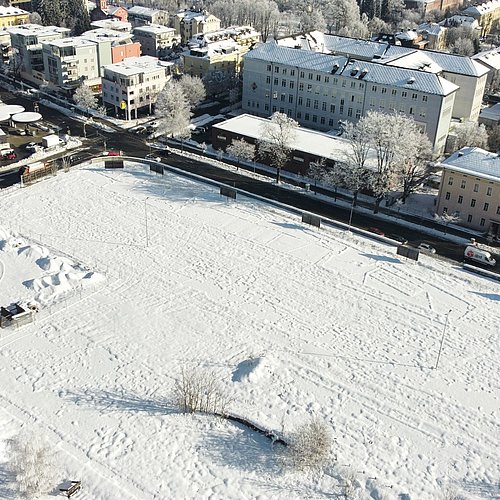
{"x":426,"y":248}
{"x":376,"y":230}
{"x":32,"y":146}
{"x":398,"y":238}
{"x":111,"y":153}
{"x":141,"y":129}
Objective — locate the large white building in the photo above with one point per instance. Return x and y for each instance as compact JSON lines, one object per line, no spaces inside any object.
{"x":319,"y":90}
{"x":156,"y":40}
{"x":189,"y":23}
{"x":27,"y":41}
{"x":134,"y":84}
{"x":469,"y":75}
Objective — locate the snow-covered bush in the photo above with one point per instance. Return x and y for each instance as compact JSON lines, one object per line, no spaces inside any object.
{"x":309,"y":446}
{"x":199,"y":390}
{"x":31,"y":462}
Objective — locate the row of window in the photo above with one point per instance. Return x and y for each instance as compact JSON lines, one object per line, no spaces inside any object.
{"x":326,"y":79}
{"x":460,"y":200}
{"x":469,"y":216}
{"x":463,"y":185}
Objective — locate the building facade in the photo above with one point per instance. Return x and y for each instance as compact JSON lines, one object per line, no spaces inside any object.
{"x":112,"y":24}
{"x":134,"y":84}
{"x":469,"y":75}
{"x":319,"y":90}
{"x":71,"y":61}
{"x":470,"y":189}
{"x":140,"y":16}
{"x":156,"y":40}
{"x":12,"y":16}
{"x":487,"y":15}
{"x":190,"y":23}
{"x":27,"y":41}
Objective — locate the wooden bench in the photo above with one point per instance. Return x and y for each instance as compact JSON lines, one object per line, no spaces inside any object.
{"x":75,"y":486}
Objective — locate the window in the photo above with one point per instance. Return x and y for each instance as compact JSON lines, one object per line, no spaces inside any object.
{"x":268,"y":67}
{"x":299,"y":114}
{"x":482,"y":222}
{"x":463,"y":184}
{"x":310,"y":76}
{"x":330,"y":124}
{"x":498,"y":210}
{"x":268,"y":79}
{"x":291,"y":84}
{"x":316,"y":104}
{"x":341,"y":110}
{"x":445,"y":210}
{"x":460,"y":199}
{"x":318,"y":78}
{"x":322,"y":120}
{"x":307,"y":116}
{"x":473,"y":202}
{"x":276,"y":69}
{"x":476,"y":188}
{"x":275,"y":95}
{"x":414,"y":97}
{"x":404,"y":94}
{"x":309,"y":87}
{"x":374,"y":88}
{"x":343,"y":83}
{"x":323,"y":106}
{"x":301,"y":74}
{"x":424,"y":98}
{"x":411,"y":110}
{"x":327,"y":79}
{"x":299,"y":101}
{"x":308,"y":103}
{"x":469,"y":218}
{"x":283,"y":83}
{"x":275,"y":81}
{"x":292,"y":72}
{"x":450,"y":181}
{"x":393,"y":92}
{"x":301,"y":87}
{"x":489,"y":191}
{"x":384,"y":90}
{"x":290,"y":98}
{"x":358,"y":114}
{"x":353,"y":85}
{"x":332,"y":108}
{"x":315,"y":119}
{"x":283,"y":71}
{"x":283,"y":97}
{"x":448,"y":194}
{"x":486,"y":206}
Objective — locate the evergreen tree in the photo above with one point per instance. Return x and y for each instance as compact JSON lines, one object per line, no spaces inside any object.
{"x":51,"y":12}
{"x":76,"y":16}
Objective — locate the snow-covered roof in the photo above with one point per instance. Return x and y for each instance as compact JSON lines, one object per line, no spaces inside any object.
{"x":137,"y":10}
{"x":484,"y":8}
{"x":305,"y":140}
{"x":375,"y":72}
{"x":491,"y":113}
{"x":156,"y":29}
{"x":490,"y":58}
{"x":138,"y":65}
{"x":74,"y":41}
{"x":476,"y":161}
{"x":36,"y":29}
{"x":12,"y":11}
{"x":430,"y":28}
{"x":103,"y":35}
{"x":417,"y":60}
{"x":190,"y":15}
{"x":458,"y":20}
{"x":114,"y":24}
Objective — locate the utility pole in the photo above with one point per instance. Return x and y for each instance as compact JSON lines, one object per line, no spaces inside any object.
{"x":146,"y":220}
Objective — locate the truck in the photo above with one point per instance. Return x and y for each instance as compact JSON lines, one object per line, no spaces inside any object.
{"x":474,"y":253}
{"x":50,"y":140}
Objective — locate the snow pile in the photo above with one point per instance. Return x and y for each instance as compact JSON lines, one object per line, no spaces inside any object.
{"x":251,"y":370}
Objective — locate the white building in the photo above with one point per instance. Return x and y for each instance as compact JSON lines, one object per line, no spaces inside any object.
{"x":156,"y":40}
{"x":27,"y":41}
{"x":140,"y":16}
{"x":468,"y":74}
{"x":189,"y":23}
{"x":71,"y":61}
{"x":319,"y":90}
{"x":134,"y":84}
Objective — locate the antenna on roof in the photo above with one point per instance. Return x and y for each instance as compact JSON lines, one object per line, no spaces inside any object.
{"x":411,"y":80}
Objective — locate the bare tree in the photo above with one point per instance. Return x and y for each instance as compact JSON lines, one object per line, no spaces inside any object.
{"x":199,"y":391}
{"x":32,"y":464}
{"x":172,"y":111}
{"x":470,"y":134}
{"x":317,"y":171}
{"x":312,"y":19}
{"x":193,"y":88}
{"x":276,"y":140}
{"x":463,"y":47}
{"x":85,"y":98}
{"x":242,"y":150}
{"x":310,"y":446}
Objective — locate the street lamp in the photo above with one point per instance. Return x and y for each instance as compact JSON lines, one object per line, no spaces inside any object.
{"x":350,"y":215}
{"x":146,"y":220}
{"x":442,"y":339}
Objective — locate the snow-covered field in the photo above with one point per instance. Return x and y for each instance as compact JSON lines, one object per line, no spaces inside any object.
{"x":138,"y":276}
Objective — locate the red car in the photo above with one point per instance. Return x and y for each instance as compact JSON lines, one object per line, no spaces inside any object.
{"x":376,"y":230}
{"x":112,"y":153}
{"x":9,"y":156}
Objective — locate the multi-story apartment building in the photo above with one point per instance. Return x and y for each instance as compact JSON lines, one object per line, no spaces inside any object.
{"x":12,"y":16}
{"x":319,"y":90}
{"x":463,"y":71}
{"x":112,"y":24}
{"x":134,"y":84}
{"x":189,"y":23}
{"x":27,"y":41}
{"x":470,"y":188}
{"x":487,"y":15}
{"x":71,"y":61}
{"x":156,"y":40}
{"x":219,"y":51}
{"x":140,"y":16}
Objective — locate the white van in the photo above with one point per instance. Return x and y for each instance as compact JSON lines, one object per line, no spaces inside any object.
{"x":478,"y":255}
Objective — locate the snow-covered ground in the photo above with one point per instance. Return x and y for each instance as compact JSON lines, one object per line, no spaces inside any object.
{"x":139,"y":275}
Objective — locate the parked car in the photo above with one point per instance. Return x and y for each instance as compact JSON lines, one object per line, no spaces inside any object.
{"x":425,"y":247}
{"x":32,"y":146}
{"x":141,"y":129}
{"x":398,"y":238}
{"x":8,"y":155}
{"x":111,"y":153}
{"x":376,"y":230}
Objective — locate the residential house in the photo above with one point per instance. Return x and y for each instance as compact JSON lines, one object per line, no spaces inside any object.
{"x":156,"y":40}
{"x":470,"y":188}
{"x":134,"y":84}
{"x":189,"y":23}
{"x":140,"y":16}
{"x":490,"y":59}
{"x":27,"y":40}
{"x":319,"y":90}
{"x":112,"y":24}
{"x":434,"y":34}
{"x":12,"y":16}
{"x":487,"y":15}
{"x":104,"y":11}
